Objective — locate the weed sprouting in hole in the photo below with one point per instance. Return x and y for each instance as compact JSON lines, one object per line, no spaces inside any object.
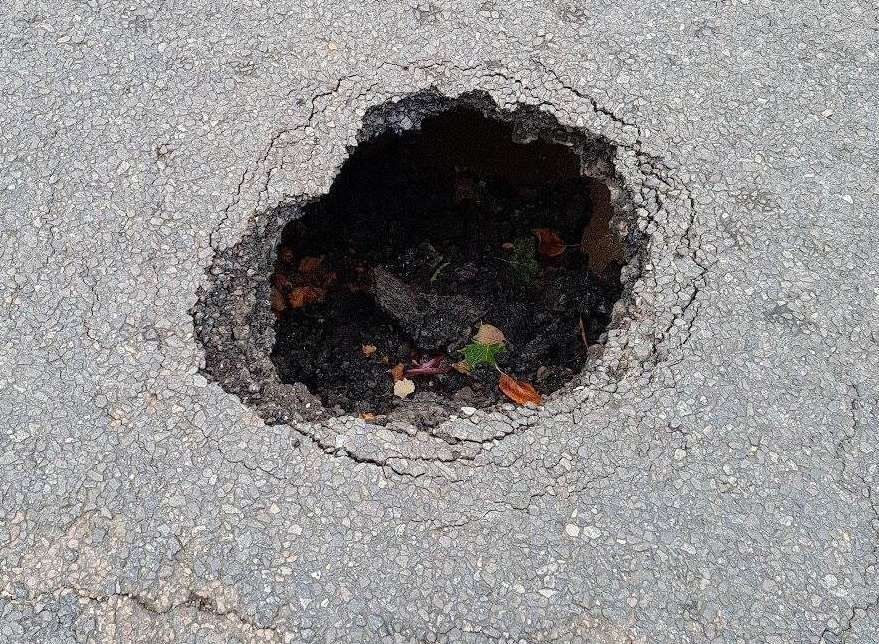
{"x":477,"y":353}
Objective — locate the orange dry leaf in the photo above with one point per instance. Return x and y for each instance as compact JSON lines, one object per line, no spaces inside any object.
{"x":302,"y":295}
{"x":461,"y":367}
{"x":548,"y":243}
{"x":397,"y":371}
{"x":367,"y":349}
{"x":367,"y":416}
{"x":310,"y":264}
{"x":519,"y":392}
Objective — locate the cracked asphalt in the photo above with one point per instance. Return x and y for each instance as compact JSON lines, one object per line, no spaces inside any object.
{"x":711,"y":478}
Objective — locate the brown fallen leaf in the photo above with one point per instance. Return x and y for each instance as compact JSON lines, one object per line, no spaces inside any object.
{"x":278,"y":301}
{"x":397,"y":371}
{"x":489,"y":334}
{"x":601,"y":244}
{"x":310,"y":264}
{"x":367,"y":416}
{"x":281,"y":280}
{"x":549,"y":244}
{"x":367,"y":349}
{"x":303,"y":295}
{"x":517,"y":391}
{"x":461,"y":366}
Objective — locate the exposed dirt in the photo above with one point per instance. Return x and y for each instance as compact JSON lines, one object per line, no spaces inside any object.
{"x":427,"y":234}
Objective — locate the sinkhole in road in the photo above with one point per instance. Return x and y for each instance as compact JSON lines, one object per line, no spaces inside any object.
{"x":464,"y":255}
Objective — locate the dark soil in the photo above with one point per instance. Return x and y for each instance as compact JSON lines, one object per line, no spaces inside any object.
{"x":422,"y":237}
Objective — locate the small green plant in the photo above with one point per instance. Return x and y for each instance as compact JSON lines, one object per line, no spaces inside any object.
{"x":523,"y":262}
{"x":477,"y":353}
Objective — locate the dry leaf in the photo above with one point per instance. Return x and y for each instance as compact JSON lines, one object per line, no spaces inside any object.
{"x":302,"y":295}
{"x":278,"y":301}
{"x":599,"y":242}
{"x":281,"y":280}
{"x":367,"y":416}
{"x":310,"y":264}
{"x":548,"y":243}
{"x":519,"y":392}
{"x":403,"y":388}
{"x":489,"y":334}
{"x":397,"y":371}
{"x":461,"y":366}
{"x":286,"y":255}
{"x":367,"y":349}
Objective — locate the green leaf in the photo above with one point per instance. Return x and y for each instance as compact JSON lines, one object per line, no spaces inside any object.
{"x":476,"y":353}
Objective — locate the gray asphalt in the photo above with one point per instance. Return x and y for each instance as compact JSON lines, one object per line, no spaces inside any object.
{"x":711,"y":478}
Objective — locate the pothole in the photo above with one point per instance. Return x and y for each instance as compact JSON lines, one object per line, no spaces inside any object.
{"x":428,"y":235}
{"x":449,"y":214}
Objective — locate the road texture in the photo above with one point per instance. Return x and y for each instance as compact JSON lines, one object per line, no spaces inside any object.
{"x":711,"y":478}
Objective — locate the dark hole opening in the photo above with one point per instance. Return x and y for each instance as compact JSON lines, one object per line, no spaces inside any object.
{"x":423,"y":237}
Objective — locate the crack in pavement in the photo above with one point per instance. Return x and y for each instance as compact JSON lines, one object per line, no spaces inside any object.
{"x":195,"y":601}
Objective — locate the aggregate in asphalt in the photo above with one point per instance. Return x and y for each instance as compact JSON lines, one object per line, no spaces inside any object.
{"x":710,"y":477}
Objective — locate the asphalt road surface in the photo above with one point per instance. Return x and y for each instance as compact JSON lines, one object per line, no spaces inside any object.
{"x":710,"y":478}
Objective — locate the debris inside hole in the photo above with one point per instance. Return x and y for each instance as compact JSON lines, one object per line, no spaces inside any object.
{"x":424,"y":236}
